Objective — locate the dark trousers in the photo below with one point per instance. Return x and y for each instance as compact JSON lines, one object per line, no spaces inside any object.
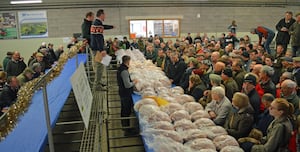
{"x":126,"y":106}
{"x":296,"y":51}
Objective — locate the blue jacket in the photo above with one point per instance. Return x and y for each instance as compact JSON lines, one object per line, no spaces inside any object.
{"x":264,"y":120}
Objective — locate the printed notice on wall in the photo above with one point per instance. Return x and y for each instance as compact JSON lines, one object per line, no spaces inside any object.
{"x":83,"y":94}
{"x":8,"y":25}
{"x":33,"y":24}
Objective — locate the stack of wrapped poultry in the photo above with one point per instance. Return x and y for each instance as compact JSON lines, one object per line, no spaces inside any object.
{"x":171,"y":120}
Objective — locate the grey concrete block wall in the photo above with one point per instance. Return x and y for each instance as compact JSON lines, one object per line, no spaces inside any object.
{"x":65,"y":22}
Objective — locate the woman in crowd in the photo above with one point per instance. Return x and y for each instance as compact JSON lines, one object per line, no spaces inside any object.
{"x":240,"y":120}
{"x":196,"y":87}
{"x":280,"y":129}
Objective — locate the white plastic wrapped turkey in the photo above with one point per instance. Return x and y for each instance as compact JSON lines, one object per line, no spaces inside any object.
{"x":179,"y":115}
{"x":142,"y":102}
{"x":201,"y":143}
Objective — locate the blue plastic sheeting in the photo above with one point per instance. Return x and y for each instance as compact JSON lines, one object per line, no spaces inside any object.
{"x":135,"y":99}
{"x":30,"y":133}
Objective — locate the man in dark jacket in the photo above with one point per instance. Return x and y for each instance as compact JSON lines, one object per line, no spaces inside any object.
{"x":86,"y":26}
{"x":189,"y":38}
{"x":97,"y":45}
{"x":184,"y":81}
{"x":230,"y":39}
{"x":16,"y":65}
{"x":254,"y":99}
{"x":295,"y":36}
{"x":125,"y":43}
{"x":288,"y":91}
{"x":9,"y":93}
{"x":176,"y":68}
{"x":125,"y":90}
{"x":283,"y":36}
{"x":264,"y":119}
{"x":266,"y":82}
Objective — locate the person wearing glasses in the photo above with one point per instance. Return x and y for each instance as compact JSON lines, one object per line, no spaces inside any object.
{"x":280,"y":129}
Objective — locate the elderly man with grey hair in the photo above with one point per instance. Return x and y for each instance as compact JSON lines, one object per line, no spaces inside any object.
{"x":219,"y":108}
{"x":266,"y":83}
{"x":288,"y":92}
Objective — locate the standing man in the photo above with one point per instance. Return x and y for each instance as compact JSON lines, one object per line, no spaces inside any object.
{"x":97,"y":45}
{"x":295,"y":34}
{"x":265,"y":33}
{"x":296,"y":72}
{"x":16,"y":65}
{"x":86,"y":26}
{"x":189,"y":38}
{"x":125,"y":90}
{"x":283,"y":36}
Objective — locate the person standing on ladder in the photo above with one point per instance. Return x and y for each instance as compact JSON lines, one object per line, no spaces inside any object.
{"x":97,"y":45}
{"x":126,"y":86}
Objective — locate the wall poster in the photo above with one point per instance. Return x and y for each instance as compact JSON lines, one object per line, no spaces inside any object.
{"x":33,"y":24}
{"x":8,"y":25}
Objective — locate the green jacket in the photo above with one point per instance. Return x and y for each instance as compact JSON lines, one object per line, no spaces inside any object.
{"x":231,"y":87}
{"x":278,"y":136}
{"x":239,"y":124}
{"x":151,"y":55}
{"x":5,"y":61}
{"x":22,"y":79}
{"x":239,"y":78}
{"x":159,"y":61}
{"x":295,"y":34}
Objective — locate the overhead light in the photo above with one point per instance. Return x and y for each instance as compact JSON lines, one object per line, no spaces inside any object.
{"x":26,"y":2}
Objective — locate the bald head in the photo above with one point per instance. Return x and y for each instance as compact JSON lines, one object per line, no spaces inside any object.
{"x":219,"y":66}
{"x":257,"y":68}
{"x":215,"y":56}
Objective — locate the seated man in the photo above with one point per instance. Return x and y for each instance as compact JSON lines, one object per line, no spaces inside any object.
{"x":9,"y":93}
{"x":264,"y":119}
{"x":219,"y":107}
{"x":239,"y":122}
{"x":25,"y":76}
{"x":176,"y":68}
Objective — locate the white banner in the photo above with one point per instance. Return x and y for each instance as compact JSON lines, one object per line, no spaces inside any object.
{"x":83,"y":94}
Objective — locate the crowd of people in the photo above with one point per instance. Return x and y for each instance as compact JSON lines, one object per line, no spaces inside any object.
{"x":249,"y":88}
{"x":15,"y":72}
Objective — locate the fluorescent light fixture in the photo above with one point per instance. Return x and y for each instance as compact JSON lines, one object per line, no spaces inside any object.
{"x":26,"y":2}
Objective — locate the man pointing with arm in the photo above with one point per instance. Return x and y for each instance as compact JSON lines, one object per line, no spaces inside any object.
{"x":97,"y":45}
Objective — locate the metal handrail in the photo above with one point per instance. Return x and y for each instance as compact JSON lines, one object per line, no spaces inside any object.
{"x":41,"y":83}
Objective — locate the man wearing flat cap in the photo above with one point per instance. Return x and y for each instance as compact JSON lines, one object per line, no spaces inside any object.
{"x":287,"y":64}
{"x":249,"y":85}
{"x":39,"y":58}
